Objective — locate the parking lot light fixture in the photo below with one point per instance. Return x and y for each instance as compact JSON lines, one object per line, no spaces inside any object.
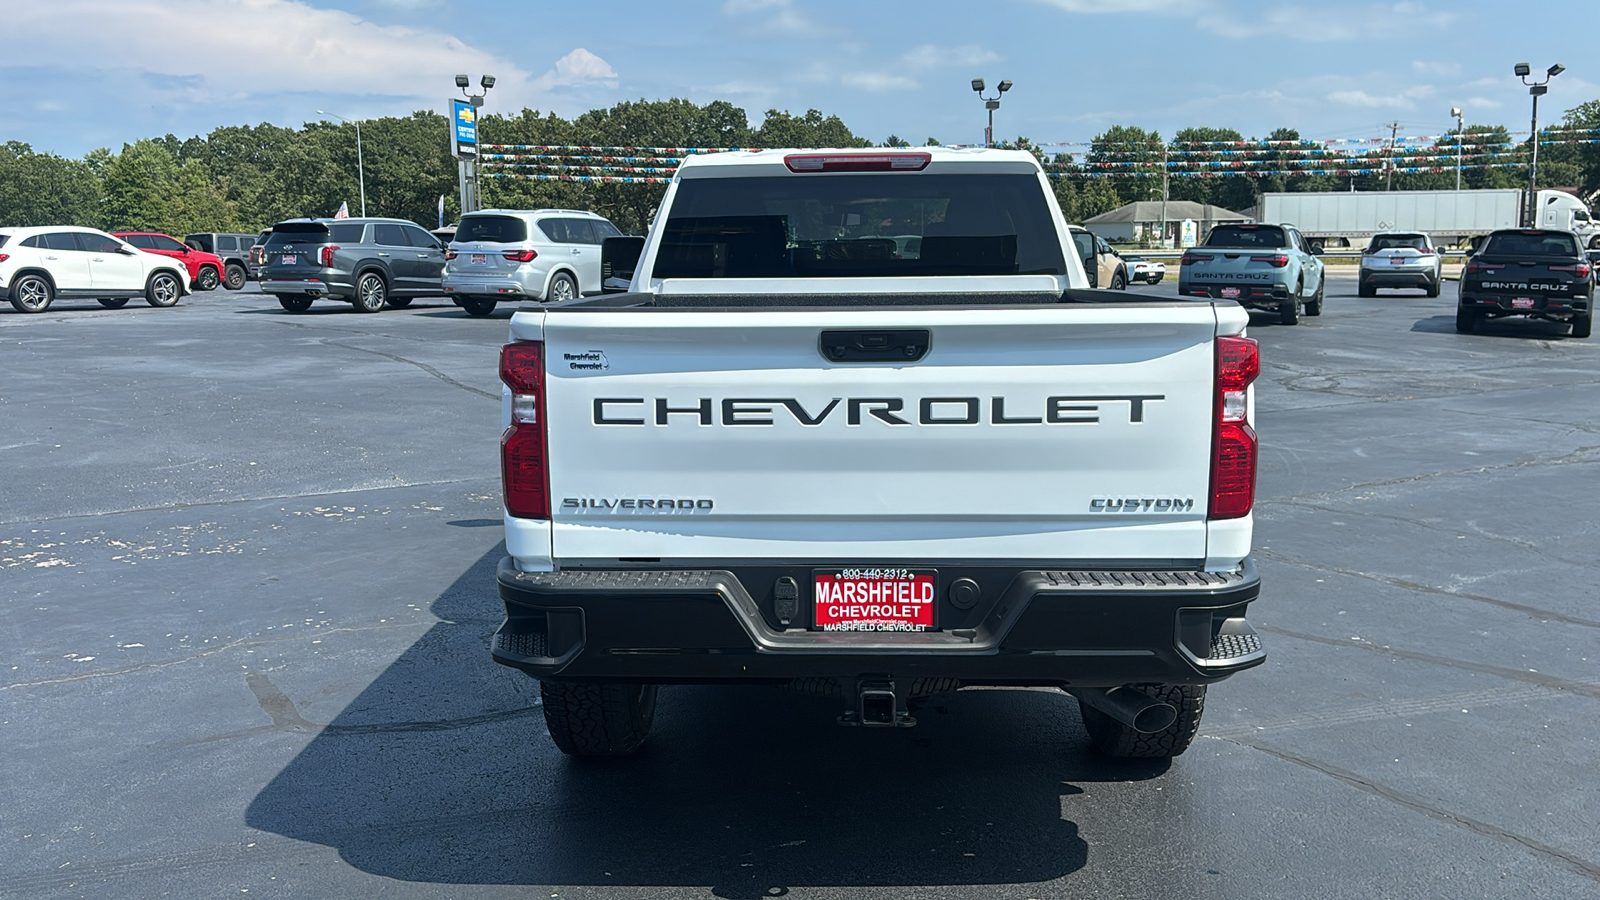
{"x":462,"y":81}
{"x":991,"y":104}
{"x":361,"y":167}
{"x":1536,"y":89}
{"x":1461,"y":135}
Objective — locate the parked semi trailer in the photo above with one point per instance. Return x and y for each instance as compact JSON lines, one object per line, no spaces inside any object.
{"x":1451,"y":217}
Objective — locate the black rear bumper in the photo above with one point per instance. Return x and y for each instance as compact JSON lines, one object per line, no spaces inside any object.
{"x":1030,"y":626}
{"x":1252,"y":294}
{"x":1545,"y":305}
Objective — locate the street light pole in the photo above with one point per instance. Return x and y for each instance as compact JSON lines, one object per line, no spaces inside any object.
{"x":1461,"y":133}
{"x":470,"y":172}
{"x":992,"y":104}
{"x":361,"y":166}
{"x":1536,"y":89}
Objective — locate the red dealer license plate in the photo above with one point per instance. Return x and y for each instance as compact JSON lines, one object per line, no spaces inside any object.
{"x":289,"y":259}
{"x":873,"y":599}
{"x":1522,"y":303}
{"x":1230,"y":293}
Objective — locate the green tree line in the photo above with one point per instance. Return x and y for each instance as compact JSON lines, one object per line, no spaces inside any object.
{"x":244,"y":178}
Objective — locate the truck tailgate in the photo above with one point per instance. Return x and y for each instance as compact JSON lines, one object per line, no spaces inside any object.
{"x":1050,"y":433}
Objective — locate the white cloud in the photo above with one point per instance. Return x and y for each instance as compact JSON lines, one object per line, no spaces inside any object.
{"x":931,"y":56}
{"x":1317,"y":23}
{"x":1370,"y":101}
{"x":1435,"y":68}
{"x":578,"y":67}
{"x":877,"y":81}
{"x":785,"y":19}
{"x":240,"y":47}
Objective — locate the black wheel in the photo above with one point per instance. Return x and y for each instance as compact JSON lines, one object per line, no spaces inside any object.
{"x":562,"y":287}
{"x":1289,"y":309}
{"x":1119,"y":281}
{"x":1314,"y":305}
{"x":1112,"y":738}
{"x":207,"y":279}
{"x":233,"y":279}
{"x":477,"y":306}
{"x":371,"y":292}
{"x":113,"y":302}
{"x":32,"y":294}
{"x":294,"y":302}
{"x":1366,"y":290}
{"x":1466,"y":320}
{"x":162,"y":290}
{"x":399,"y":302}
{"x":1581,"y":325}
{"x":1433,"y":288}
{"x":594,"y":719}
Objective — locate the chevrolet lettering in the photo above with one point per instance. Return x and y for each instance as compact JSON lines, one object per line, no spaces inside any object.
{"x":939,"y":459}
{"x":733,"y":411}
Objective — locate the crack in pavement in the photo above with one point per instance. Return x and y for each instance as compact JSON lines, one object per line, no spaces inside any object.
{"x":1392,"y":581}
{"x":261,"y":499}
{"x":1433,"y":811}
{"x":1525,"y":546}
{"x":1581,"y":688}
{"x":411,"y":362}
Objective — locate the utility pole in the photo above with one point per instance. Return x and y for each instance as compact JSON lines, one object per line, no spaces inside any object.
{"x":1164,"y":170}
{"x":1536,"y":89}
{"x":1394,"y":133}
{"x":1461,"y":133}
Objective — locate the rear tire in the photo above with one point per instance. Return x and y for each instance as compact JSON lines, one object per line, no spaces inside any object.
{"x":234,"y":278}
{"x":1112,"y":738}
{"x":477,"y":307}
{"x":207,"y":279}
{"x":596,"y":719}
{"x":398,"y":302}
{"x":1289,"y":309}
{"x":293,"y":302}
{"x":1314,"y":305}
{"x":1466,"y":320}
{"x":1581,"y":325}
{"x":32,"y":294}
{"x":113,"y":302}
{"x":162,"y":290}
{"x":372,"y":292}
{"x":1119,"y":281}
{"x":1433,"y":288}
{"x":562,"y":287}
{"x":1366,"y":290}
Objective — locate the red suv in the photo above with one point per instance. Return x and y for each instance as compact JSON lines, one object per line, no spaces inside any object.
{"x":205,"y":269}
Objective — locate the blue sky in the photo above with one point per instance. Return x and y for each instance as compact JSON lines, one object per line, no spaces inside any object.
{"x":82,"y":74}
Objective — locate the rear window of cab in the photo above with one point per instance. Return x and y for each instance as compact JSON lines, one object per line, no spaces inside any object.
{"x":492,"y":230}
{"x":1246,"y":237}
{"x":1533,"y":243}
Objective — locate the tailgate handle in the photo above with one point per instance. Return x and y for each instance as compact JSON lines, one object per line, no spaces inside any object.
{"x":869,"y":345}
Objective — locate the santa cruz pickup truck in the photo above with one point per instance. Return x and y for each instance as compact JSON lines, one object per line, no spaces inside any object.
{"x":1533,"y":272}
{"x":1268,"y":267}
{"x":860,"y":428}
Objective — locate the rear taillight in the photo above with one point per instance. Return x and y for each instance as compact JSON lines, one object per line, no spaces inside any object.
{"x":521,"y":255}
{"x":1369,"y":251}
{"x":1189,"y":259}
{"x":325,"y":256}
{"x":1473,"y":267}
{"x":1277,"y":262}
{"x":4,"y":257}
{"x":524,"y":469}
{"x":1581,"y":270}
{"x":1233,"y":450}
{"x":450,"y":254}
{"x":857,"y":162}
{"x":257,"y":255}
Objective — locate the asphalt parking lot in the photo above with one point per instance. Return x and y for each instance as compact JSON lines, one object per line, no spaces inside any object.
{"x":248,"y":566}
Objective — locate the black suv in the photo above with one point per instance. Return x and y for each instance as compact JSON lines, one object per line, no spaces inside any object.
{"x":368,"y":263}
{"x":234,"y":249}
{"x":1533,"y":272}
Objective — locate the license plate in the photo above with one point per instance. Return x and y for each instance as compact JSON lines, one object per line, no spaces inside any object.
{"x":1230,"y":293}
{"x":288,"y":259}
{"x":1397,"y":260}
{"x":480,"y":259}
{"x":873,"y":599}
{"x":1522,"y":303}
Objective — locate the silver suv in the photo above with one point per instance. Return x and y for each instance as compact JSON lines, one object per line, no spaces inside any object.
{"x":368,"y":263}
{"x":1400,"y":259}
{"x":517,"y":254}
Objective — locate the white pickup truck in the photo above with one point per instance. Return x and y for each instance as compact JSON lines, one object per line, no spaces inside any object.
{"x":860,"y":428}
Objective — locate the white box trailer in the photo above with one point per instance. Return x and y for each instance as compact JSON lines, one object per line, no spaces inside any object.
{"x":1349,"y":219}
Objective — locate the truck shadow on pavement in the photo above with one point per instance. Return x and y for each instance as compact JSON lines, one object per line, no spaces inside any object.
{"x":441,"y":771}
{"x":1508,"y":327}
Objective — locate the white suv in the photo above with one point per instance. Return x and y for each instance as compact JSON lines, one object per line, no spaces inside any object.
{"x":516,"y":254}
{"x":39,"y":264}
